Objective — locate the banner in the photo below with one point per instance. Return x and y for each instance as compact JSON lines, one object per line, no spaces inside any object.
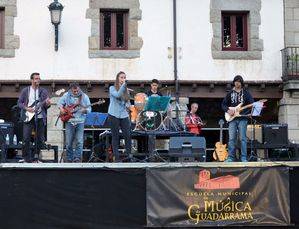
{"x":218,"y":196}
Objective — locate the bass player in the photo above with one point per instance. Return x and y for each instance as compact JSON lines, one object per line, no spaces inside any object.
{"x":238,"y":125}
{"x":74,"y":127}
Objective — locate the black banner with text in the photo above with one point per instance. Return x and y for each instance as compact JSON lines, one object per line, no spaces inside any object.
{"x":218,"y":196}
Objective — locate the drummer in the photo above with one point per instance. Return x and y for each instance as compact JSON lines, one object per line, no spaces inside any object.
{"x":154,"y":89}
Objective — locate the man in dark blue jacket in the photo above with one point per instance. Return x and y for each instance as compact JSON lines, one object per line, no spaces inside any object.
{"x":239,"y":124}
{"x":35,"y":100}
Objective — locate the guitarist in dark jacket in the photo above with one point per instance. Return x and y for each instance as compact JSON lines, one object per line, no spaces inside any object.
{"x":34,"y":99}
{"x":238,"y":125}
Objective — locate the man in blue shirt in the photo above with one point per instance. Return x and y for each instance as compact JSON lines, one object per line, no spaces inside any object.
{"x":74,"y":127}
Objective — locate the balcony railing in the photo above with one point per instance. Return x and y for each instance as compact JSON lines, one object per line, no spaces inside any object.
{"x":290,"y":63}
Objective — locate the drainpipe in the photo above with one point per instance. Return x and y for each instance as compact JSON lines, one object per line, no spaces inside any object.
{"x":175,"y":56}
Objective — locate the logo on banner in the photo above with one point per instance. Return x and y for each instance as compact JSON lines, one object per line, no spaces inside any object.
{"x":224,"y":182}
{"x":215,"y":202}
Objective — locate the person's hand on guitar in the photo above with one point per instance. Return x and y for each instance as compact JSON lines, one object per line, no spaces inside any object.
{"x":231,"y":111}
{"x":30,"y":109}
{"x":62,"y":111}
{"x":48,"y":101}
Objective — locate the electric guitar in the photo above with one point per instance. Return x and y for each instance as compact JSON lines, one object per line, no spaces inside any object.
{"x":238,"y":110}
{"x":68,"y":111}
{"x":220,"y":153}
{"x":36,"y":105}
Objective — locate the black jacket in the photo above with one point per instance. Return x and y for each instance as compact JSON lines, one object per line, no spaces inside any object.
{"x":234,"y":98}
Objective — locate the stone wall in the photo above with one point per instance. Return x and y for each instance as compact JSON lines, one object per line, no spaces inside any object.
{"x":54,"y":132}
{"x":291,"y":22}
{"x":289,"y":104}
{"x":11,"y":41}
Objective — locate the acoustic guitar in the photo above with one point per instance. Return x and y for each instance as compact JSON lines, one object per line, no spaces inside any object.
{"x":36,"y":105}
{"x":68,"y":111}
{"x":238,"y":110}
{"x":220,"y":153}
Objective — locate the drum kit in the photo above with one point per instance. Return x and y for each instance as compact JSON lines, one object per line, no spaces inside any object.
{"x":150,"y":120}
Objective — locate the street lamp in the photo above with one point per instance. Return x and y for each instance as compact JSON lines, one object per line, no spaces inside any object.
{"x":55,"y":11}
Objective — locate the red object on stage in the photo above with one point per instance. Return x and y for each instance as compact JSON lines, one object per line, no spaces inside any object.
{"x":68,"y":112}
{"x":193,"y":123}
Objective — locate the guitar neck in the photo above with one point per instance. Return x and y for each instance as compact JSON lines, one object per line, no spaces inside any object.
{"x":91,"y":105}
{"x":245,"y":107}
{"x":221,"y":134}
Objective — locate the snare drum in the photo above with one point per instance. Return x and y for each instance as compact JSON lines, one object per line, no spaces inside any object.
{"x":149,"y":120}
{"x":140,"y":101}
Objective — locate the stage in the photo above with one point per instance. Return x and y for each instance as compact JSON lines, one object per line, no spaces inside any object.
{"x":105,"y":195}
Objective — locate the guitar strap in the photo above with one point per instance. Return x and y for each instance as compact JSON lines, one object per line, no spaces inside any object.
{"x":79,"y":101}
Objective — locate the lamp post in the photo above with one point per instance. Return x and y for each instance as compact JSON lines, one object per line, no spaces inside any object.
{"x":55,"y":9}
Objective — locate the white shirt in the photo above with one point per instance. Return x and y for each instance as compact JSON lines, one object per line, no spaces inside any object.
{"x":33,"y":94}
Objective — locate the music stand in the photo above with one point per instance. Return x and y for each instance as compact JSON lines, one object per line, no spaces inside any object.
{"x":157,"y":104}
{"x":256,"y":111}
{"x":95,"y":119}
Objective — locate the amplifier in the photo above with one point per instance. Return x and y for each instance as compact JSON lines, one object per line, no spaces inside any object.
{"x":6,"y":128}
{"x":275,"y":135}
{"x":187,"y":148}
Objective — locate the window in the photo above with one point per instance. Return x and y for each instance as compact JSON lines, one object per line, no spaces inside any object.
{"x":234,"y":31}
{"x":2,"y":28}
{"x":114,"y":30}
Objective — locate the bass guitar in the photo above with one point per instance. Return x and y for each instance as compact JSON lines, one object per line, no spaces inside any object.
{"x":238,"y":109}
{"x":68,"y":111}
{"x":27,"y":115}
{"x":220,"y":153}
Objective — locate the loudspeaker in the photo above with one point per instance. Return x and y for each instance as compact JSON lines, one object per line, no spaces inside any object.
{"x":6,"y":128}
{"x":184,"y":148}
{"x":275,"y":135}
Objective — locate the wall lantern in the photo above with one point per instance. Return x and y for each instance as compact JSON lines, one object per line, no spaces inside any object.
{"x":55,"y":11}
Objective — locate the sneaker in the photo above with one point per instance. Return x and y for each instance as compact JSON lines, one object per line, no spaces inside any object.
{"x":77,"y":160}
{"x":36,"y":161}
{"x":21,"y":161}
{"x":244,"y":159}
{"x":229,"y":160}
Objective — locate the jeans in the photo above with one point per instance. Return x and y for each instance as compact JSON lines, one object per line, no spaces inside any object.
{"x":74,"y":134}
{"x":125,"y":125}
{"x":240,"y":126}
{"x":28,"y":155}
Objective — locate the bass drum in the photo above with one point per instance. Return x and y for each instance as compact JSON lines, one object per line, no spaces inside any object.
{"x":149,"y":120}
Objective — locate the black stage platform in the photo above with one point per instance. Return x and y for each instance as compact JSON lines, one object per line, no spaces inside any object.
{"x":98,"y":195}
